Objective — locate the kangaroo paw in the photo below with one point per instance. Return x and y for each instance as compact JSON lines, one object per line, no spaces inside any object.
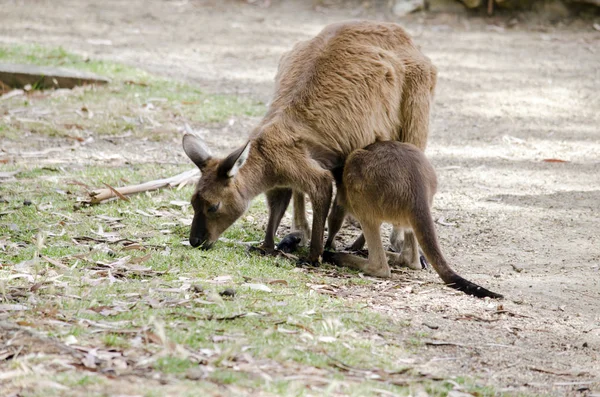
{"x":305,"y":262}
{"x":423,"y":261}
{"x":290,"y":242}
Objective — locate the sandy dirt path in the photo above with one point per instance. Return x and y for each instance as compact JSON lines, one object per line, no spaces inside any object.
{"x":506,"y":101}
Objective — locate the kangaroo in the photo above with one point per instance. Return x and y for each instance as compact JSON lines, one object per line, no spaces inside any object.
{"x":353,"y":84}
{"x":394,"y":182}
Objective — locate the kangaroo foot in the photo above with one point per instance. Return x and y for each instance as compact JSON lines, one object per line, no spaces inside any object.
{"x":303,"y":262}
{"x":423,"y":260}
{"x":290,"y":242}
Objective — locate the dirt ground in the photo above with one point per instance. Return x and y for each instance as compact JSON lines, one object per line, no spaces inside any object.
{"x":508,"y":100}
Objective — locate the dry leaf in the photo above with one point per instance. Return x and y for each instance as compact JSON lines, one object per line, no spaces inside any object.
{"x":257,"y":287}
{"x":279,"y":281}
{"x":7,"y":307}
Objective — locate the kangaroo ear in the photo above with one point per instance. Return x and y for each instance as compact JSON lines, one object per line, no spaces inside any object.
{"x":195,"y":150}
{"x":230,"y":166}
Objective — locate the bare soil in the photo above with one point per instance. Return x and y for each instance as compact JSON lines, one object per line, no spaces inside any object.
{"x":508,"y":100}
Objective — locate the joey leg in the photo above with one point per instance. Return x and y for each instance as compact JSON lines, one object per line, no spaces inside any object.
{"x":378,"y":264}
{"x":358,"y":244}
{"x":397,"y":238}
{"x":410,"y":250}
{"x":300,"y":229}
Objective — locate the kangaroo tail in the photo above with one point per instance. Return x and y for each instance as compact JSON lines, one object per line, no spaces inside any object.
{"x":424,"y":229}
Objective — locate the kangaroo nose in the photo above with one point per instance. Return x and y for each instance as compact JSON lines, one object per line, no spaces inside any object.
{"x":195,"y":241}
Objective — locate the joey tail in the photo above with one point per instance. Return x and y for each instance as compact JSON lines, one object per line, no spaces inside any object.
{"x":424,"y":229}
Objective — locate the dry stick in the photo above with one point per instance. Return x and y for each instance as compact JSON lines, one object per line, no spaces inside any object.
{"x":558,"y":372}
{"x":98,"y":196}
{"x":8,"y":327}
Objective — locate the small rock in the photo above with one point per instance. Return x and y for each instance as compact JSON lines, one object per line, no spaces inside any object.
{"x":197,"y":289}
{"x":405,"y":7}
{"x":228,"y":292}
{"x":195,"y":374}
{"x":27,"y":202}
{"x":585,"y":344}
{"x":518,"y":301}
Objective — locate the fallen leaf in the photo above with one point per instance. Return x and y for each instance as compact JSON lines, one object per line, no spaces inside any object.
{"x":278,"y":281}
{"x":70,"y":340}
{"x":7,"y":307}
{"x":221,"y":279}
{"x":442,"y":221}
{"x":555,"y":161}
{"x":257,"y":287}
{"x":327,"y":339}
{"x":140,"y":259}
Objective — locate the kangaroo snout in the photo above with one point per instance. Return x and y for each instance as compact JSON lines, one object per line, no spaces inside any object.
{"x":198,"y":242}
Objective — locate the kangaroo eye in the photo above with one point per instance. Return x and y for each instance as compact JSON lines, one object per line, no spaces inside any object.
{"x":213,"y":208}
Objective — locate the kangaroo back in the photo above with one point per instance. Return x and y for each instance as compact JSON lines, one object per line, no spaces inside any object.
{"x":394,"y":182}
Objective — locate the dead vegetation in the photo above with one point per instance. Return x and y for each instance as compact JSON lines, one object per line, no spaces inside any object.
{"x":108,"y":300}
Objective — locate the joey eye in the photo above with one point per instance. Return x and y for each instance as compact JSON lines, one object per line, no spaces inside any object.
{"x":213,"y":208}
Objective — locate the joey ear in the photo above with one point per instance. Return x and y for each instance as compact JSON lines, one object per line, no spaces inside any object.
{"x":230,"y":166}
{"x":195,"y":150}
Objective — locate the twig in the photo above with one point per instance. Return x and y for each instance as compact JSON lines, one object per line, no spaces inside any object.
{"x":7,"y":327}
{"x":513,"y":314}
{"x":98,"y":196}
{"x":239,"y":315}
{"x":556,"y":372}
{"x":116,"y":192}
{"x":476,"y":318}
{"x":589,"y":382}
{"x":444,"y":343}
{"x":342,"y":365}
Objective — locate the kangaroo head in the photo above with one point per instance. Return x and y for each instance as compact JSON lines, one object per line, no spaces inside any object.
{"x":217,"y":200}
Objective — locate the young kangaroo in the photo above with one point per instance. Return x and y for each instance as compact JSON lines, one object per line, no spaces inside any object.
{"x":393,"y":182}
{"x":353,"y":84}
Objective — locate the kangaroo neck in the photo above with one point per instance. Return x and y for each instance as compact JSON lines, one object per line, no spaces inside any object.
{"x":255,"y":176}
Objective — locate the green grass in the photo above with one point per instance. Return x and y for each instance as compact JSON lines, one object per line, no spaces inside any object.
{"x":134,"y":102}
{"x":164,"y":323}
{"x":292,"y":326}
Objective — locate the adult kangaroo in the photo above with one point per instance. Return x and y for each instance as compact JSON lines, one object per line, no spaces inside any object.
{"x":394,"y":182}
{"x":353,"y":84}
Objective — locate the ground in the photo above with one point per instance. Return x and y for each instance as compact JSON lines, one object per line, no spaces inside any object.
{"x":514,"y":139}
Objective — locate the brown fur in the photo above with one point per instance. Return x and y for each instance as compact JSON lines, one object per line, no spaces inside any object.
{"x":393,"y":182}
{"x":353,"y":84}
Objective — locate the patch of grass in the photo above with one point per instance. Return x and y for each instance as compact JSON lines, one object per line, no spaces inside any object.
{"x":291,"y":325}
{"x":156,"y":311}
{"x":134,"y":102}
{"x":173,"y":365}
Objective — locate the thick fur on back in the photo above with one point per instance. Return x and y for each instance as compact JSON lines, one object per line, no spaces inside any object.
{"x":394,"y":182}
{"x":353,"y":84}
{"x":385,"y":182}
